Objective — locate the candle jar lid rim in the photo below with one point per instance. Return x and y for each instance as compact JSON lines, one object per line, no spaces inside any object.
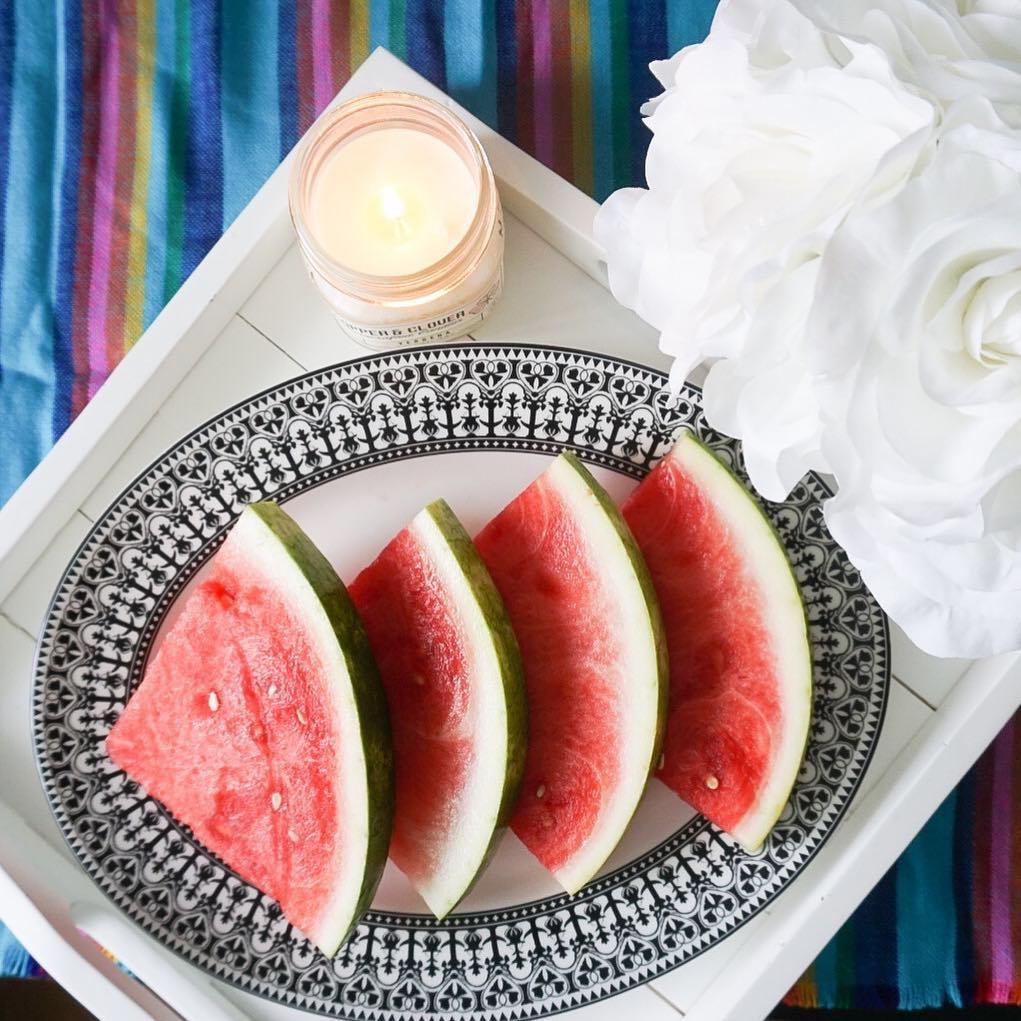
{"x":452,"y":267}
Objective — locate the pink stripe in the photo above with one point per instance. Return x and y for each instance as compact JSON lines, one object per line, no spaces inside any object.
{"x":542,"y":59}
{"x":322,"y":77}
{"x":102,"y":216}
{"x":1003,"y":798}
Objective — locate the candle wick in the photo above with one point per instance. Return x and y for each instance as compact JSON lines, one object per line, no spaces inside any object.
{"x":394,"y":210}
{"x":393,"y":204}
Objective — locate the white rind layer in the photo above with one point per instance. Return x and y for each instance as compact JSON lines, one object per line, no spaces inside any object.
{"x":257,"y":544}
{"x":473,"y":820}
{"x":638,"y":720}
{"x":784,"y":619}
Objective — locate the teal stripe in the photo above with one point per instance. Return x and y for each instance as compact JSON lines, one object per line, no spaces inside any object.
{"x":625,"y":106}
{"x":26,"y":315}
{"x":379,"y":24}
{"x":249,"y":111}
{"x":177,"y":150}
{"x":156,"y":201}
{"x":602,"y":107}
{"x":398,"y":28}
{"x":824,"y":972}
{"x":844,"y":986}
{"x":469,"y":39}
{"x":688,"y":22}
{"x":926,"y":915}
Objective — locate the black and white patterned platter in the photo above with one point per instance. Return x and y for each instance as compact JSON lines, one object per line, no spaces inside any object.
{"x":355,"y":450}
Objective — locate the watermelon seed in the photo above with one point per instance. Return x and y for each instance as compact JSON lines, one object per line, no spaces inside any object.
{"x":302,"y":718}
{"x":292,"y":836}
{"x":540,"y":790}
{"x":712,"y":783}
{"x":272,"y":690}
{"x":662,"y":761}
{"x":276,"y":801}
{"x":214,"y":701}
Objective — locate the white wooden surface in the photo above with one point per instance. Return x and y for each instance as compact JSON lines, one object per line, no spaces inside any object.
{"x":250,"y":318}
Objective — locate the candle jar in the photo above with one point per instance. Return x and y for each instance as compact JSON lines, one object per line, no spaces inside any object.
{"x":360,"y":249}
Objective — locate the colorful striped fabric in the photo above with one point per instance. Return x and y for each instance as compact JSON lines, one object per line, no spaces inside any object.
{"x":133,"y":131}
{"x":944,"y":924}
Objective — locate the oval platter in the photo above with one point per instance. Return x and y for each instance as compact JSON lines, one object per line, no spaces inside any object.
{"x":354,"y":451}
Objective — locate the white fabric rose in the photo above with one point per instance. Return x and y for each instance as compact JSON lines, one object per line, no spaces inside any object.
{"x":915,"y":342}
{"x":767,"y":133}
{"x":947,"y":49}
{"x":832,"y":225}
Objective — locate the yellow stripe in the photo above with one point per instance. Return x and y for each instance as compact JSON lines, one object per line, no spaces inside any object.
{"x":581,"y":95}
{"x":359,"y":27}
{"x":134,"y":296}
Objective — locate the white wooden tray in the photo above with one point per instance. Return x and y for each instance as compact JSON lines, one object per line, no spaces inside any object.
{"x":248,"y":318}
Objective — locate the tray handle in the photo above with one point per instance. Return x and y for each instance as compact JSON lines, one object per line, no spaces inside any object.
{"x":48,"y":904}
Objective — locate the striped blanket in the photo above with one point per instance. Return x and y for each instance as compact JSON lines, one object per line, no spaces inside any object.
{"x":133,"y":131}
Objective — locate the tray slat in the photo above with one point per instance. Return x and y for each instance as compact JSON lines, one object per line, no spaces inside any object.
{"x":22,"y":790}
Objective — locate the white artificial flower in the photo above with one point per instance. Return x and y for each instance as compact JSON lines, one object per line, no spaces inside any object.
{"x":832,"y":225}
{"x":915,"y":346}
{"x":946,"y":49}
{"x":766,"y":135}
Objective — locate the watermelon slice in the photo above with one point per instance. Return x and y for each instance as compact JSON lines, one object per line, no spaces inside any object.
{"x":452,"y":673}
{"x":261,"y":724}
{"x":585,"y":614}
{"x":740,"y":661}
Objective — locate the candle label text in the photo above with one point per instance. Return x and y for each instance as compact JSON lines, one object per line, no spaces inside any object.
{"x":450,"y":325}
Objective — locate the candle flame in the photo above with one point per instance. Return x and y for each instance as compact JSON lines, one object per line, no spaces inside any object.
{"x":393,"y":204}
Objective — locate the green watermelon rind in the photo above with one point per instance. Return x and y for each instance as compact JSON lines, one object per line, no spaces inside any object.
{"x":373,"y":722}
{"x":508,"y":656}
{"x":636,"y":561}
{"x":752,"y":839}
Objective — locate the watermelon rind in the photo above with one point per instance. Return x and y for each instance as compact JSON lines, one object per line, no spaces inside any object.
{"x":366,"y":795}
{"x":762,"y":552}
{"x":500,"y":724}
{"x":643,"y":640}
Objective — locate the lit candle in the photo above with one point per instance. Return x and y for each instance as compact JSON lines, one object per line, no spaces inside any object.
{"x":399,"y":221}
{"x":391,"y":202}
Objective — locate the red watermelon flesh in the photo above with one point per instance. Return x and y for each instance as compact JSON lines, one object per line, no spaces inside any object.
{"x":235,"y":729}
{"x":589,"y":631}
{"x":452,"y":673}
{"x":740,"y":663}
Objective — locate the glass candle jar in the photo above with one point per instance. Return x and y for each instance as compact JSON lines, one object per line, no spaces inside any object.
{"x":398,"y":220}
